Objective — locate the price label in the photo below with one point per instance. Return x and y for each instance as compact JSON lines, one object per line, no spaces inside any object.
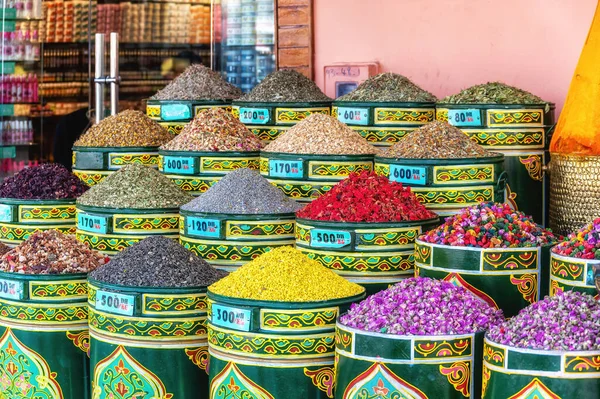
{"x":280,"y":168}
{"x":353,"y":116}
{"x":179,"y":165}
{"x":329,"y":238}
{"x":175,"y":112}
{"x":113,"y":302}
{"x":7,"y":109}
{"x":234,"y":318}
{"x":6,"y":213}
{"x":92,"y":223}
{"x":464,"y":117}
{"x":203,"y":227}
{"x":408,"y":174}
{"x":8,"y":68}
{"x":11,"y":289}
{"x":8,"y":13}
{"x":9,"y":26}
{"x":254,"y":116}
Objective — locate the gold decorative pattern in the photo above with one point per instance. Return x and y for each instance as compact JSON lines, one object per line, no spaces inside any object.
{"x":323,"y":378}
{"x":153,"y":111}
{"x":459,"y":376}
{"x":81,"y":340}
{"x":403,"y":116}
{"x":508,"y":138}
{"x":534,"y":165}
{"x":515,"y":117}
{"x":494,"y":355}
{"x":199,"y":357}
{"x":297,"y":320}
{"x":443,"y":348}
{"x":58,"y":290}
{"x":174,"y":304}
{"x":295,"y":115}
{"x":527,"y":286}
{"x":463,"y":173}
{"x":337,"y":170}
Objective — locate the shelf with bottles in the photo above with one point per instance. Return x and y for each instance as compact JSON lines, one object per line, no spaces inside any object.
{"x":17,"y":132}
{"x":19,"y":89}
{"x":21,"y":10}
{"x":20,"y":42}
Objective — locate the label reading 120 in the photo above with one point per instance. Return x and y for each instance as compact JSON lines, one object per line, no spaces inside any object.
{"x":464,"y":117}
{"x":10,"y":289}
{"x":329,"y":238}
{"x":179,"y":165}
{"x":279,"y":168}
{"x":408,"y":174}
{"x":228,"y":317}
{"x":203,"y":227}
{"x":353,"y":116}
{"x":92,"y":223}
{"x":113,"y":302}
{"x":5,"y":213}
{"x":256,"y":116}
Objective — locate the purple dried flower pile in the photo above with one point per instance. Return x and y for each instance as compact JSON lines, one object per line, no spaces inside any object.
{"x":46,"y":182}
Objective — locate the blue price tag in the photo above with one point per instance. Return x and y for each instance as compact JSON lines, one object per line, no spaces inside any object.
{"x":280,"y":168}
{"x":464,"y":117}
{"x":113,"y":302}
{"x":6,"y":213}
{"x":203,"y":227}
{"x":8,"y":68}
{"x":92,"y":223}
{"x":320,"y":238}
{"x":228,"y":317}
{"x":353,"y":116}
{"x":254,"y":116}
{"x":11,"y":289}
{"x":175,"y":112}
{"x":7,"y":109}
{"x":179,"y":165}
{"x":414,"y":175}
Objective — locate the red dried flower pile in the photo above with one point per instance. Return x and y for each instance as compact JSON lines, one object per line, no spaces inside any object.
{"x":366,"y":197}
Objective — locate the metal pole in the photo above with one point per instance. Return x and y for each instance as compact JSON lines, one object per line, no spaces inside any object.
{"x":99,"y":75}
{"x":114,"y":73}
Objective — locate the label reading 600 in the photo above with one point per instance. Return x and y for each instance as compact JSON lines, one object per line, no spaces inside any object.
{"x":203,"y":227}
{"x":228,"y":317}
{"x":329,"y":238}
{"x":179,"y":165}
{"x":255,"y":116}
{"x":10,"y":289}
{"x":113,"y":302}
{"x":408,"y":174}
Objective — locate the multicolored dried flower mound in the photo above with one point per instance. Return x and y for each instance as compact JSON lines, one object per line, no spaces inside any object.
{"x":366,"y":197}
{"x":490,"y":225}
{"x":46,"y":182}
{"x":388,"y":87}
{"x":422,"y":306}
{"x":584,"y":244}
{"x":568,"y":321}
{"x":285,"y":274}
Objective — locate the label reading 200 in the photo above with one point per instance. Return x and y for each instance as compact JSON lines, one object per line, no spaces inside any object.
{"x":228,"y":317}
{"x":254,"y":116}
{"x":11,"y":289}
{"x":113,"y":302}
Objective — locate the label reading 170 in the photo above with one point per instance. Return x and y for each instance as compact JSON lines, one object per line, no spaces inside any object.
{"x":280,"y":168}
{"x":329,"y":238}
{"x":179,"y":165}
{"x":203,"y":227}
{"x":113,"y":302}
{"x":255,"y":116}
{"x":234,"y":318}
{"x":353,"y":116}
{"x":464,"y":117}
{"x":10,"y":289}
{"x":408,"y":174}
{"x":92,"y":223}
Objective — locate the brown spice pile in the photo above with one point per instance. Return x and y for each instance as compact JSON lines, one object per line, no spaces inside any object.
{"x":4,"y":249}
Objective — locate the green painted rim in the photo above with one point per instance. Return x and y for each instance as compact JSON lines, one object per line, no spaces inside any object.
{"x":539,"y":352}
{"x":189,"y":102}
{"x":365,"y":225}
{"x":115,"y":149}
{"x":236,"y":154}
{"x":283,"y":305}
{"x":249,"y":104}
{"x":238,"y":216}
{"x":42,"y":277}
{"x":111,"y":211}
{"x":387,"y":104}
{"x":497,"y":158}
{"x":418,"y":241}
{"x":318,"y":157}
{"x":493,"y":105}
{"x":14,"y":201}
{"x":147,"y":290}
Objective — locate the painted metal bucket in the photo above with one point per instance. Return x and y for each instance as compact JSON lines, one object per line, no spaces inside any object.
{"x":375,"y":365}
{"x":44,"y":339}
{"x":306,"y":177}
{"x":446,"y":186}
{"x":526,"y":373}
{"x":506,"y":278}
{"x":272,"y":350}
{"x":146,"y":341}
{"x":374,"y":255}
{"x":521,"y":132}
{"x":21,"y":218}
{"x":572,"y":274}
{"x":173,"y":115}
{"x":270,"y":120}
{"x":110,"y":230}
{"x":94,"y":164}
{"x":230,"y":241}
{"x":383,"y":124}
{"x":196,"y":172}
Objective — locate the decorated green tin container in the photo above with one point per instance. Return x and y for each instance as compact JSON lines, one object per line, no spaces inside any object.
{"x":306,"y":177}
{"x":515,"y":373}
{"x":572,"y":274}
{"x":386,"y":366}
{"x":93,"y":164}
{"x":196,"y":172}
{"x":270,"y":120}
{"x":446,"y":186}
{"x":44,"y":338}
{"x":110,"y":230}
{"x":522,"y":134}
{"x":230,"y":241}
{"x":383,"y":124}
{"x":21,"y":218}
{"x":505,"y":278}
{"x":374,"y":255}
{"x":272,"y":350}
{"x":148,"y":341}
{"x":173,"y":115}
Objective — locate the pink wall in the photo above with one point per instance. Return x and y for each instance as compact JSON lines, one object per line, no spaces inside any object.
{"x":447,"y":45}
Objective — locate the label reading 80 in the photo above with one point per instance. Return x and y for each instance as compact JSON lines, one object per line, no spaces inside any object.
{"x":113,"y":302}
{"x":464,"y":117}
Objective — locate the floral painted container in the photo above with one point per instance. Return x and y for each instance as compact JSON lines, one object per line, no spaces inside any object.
{"x":270,"y":120}
{"x":572,"y":274}
{"x":44,"y":338}
{"x":521,"y":133}
{"x":21,"y":218}
{"x":306,"y":177}
{"x":272,"y":350}
{"x":230,"y":241}
{"x":173,"y":115}
{"x":506,"y":278}
{"x":109,"y":230}
{"x":196,"y":172}
{"x":376,"y":365}
{"x":446,"y":186}
{"x":374,"y":255}
{"x":383,"y":124}
{"x":527,"y":373}
{"x":148,"y":342}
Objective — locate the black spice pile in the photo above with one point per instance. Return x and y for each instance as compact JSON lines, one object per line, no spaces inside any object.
{"x":46,"y":181}
{"x":158,"y":262}
{"x":286,"y":86}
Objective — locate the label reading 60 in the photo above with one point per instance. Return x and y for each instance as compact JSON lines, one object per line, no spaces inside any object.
{"x":254,"y":116}
{"x":234,"y":318}
{"x":10,"y":289}
{"x":329,"y":238}
{"x":408,"y":174}
{"x":353,"y":116}
{"x":203,"y":227}
{"x":113,"y":302}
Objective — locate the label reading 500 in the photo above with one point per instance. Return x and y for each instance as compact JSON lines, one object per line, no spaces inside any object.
{"x":203,"y":227}
{"x":257,"y":116}
{"x":92,"y":223}
{"x":113,"y":302}
{"x":329,"y":238}
{"x":10,"y":289}
{"x":234,"y":318}
{"x":408,"y":174}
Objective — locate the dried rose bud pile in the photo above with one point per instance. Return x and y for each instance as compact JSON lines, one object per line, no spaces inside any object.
{"x":568,"y":321}
{"x":46,"y":181}
{"x":366,"y":197}
{"x":584,"y":244}
{"x":422,"y":306}
{"x":51,"y":252}
{"x":490,"y":225}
